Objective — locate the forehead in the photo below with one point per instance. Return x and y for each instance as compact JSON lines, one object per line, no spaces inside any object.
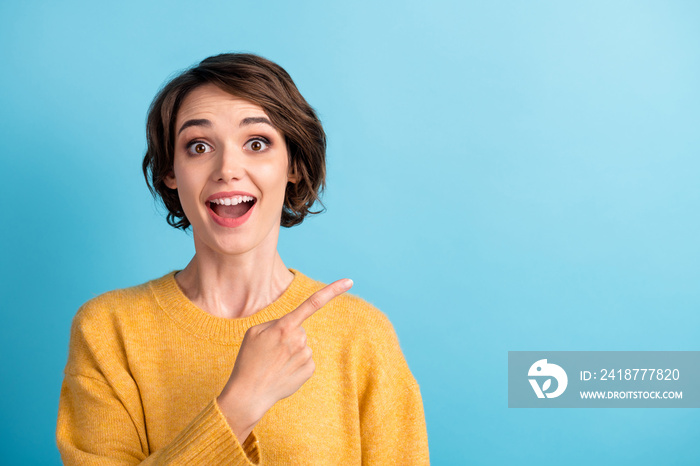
{"x":210,"y":102}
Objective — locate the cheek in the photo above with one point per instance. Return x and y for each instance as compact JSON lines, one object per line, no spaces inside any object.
{"x":187,"y":184}
{"x":273,"y":176}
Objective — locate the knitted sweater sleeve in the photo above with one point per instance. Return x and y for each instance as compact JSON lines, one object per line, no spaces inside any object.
{"x":392,"y":421}
{"x":101,"y":419}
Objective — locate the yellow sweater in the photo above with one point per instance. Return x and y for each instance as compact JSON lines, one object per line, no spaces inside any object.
{"x":145,"y":366}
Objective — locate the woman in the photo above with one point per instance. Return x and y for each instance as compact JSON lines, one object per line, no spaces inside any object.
{"x":213,"y":364}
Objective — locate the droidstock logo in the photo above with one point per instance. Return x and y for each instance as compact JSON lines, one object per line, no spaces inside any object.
{"x":542,"y":369}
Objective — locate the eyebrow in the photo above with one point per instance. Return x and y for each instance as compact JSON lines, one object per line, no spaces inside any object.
{"x":255,"y":120}
{"x":207,"y":123}
{"x":188,"y":123}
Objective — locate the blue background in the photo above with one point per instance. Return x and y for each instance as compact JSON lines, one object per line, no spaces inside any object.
{"x":502,"y":176}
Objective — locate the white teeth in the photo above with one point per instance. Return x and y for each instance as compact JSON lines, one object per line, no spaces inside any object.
{"x":232,"y":200}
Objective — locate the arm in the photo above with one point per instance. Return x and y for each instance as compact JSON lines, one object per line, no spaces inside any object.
{"x":392,"y":420}
{"x":101,"y":419}
{"x":94,"y":428}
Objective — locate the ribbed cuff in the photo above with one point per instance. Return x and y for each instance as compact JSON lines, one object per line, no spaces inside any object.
{"x":208,"y":439}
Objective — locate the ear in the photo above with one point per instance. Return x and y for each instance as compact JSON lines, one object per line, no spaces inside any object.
{"x":292,"y":175}
{"x":170,"y":180}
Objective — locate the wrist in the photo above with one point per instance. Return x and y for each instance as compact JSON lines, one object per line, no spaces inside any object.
{"x":241,"y":411}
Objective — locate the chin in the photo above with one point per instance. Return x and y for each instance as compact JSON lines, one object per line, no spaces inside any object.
{"x":232,"y":246}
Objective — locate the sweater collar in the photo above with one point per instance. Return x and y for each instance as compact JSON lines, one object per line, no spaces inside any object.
{"x":220,"y":329}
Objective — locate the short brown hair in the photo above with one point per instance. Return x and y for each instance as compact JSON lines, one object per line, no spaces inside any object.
{"x":264,"y":83}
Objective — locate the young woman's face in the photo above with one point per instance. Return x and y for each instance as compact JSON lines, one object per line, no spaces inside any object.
{"x":231,"y":169}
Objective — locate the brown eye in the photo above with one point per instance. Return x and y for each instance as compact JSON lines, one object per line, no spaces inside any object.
{"x":257,"y":145}
{"x":198,"y":148}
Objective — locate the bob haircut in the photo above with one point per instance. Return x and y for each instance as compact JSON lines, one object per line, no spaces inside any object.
{"x":264,"y":83}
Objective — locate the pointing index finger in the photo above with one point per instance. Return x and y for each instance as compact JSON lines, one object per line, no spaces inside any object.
{"x":316,"y":301}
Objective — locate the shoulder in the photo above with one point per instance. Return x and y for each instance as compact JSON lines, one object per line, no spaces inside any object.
{"x":114,"y":302}
{"x":360,"y":313}
{"x":364,"y":335}
{"x":98,"y":329}
{"x":349,"y":308}
{"x":106,"y":313}
{"x":356,"y":320}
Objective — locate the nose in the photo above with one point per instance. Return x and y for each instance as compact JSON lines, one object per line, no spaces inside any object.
{"x":230,"y":165}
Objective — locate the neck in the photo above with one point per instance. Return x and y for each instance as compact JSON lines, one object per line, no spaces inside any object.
{"x":234,"y":286}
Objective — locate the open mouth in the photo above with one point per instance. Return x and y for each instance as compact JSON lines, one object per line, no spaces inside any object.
{"x":232,"y":207}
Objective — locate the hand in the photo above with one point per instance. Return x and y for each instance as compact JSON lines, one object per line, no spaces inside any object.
{"x":273,"y":362}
